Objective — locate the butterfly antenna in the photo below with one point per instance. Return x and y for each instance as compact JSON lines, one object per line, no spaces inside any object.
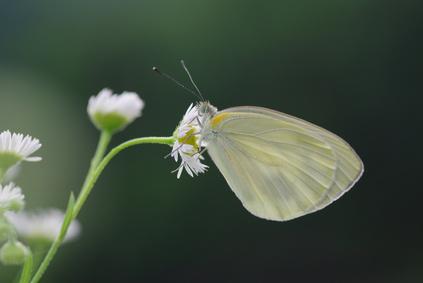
{"x":192,"y":81}
{"x":155,"y":69}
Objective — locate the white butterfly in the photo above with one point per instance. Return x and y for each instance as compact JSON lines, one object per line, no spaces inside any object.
{"x":280,"y":167}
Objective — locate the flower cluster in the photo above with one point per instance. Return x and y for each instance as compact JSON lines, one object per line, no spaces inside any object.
{"x":41,"y":227}
{"x":187,"y":145}
{"x":110,"y":113}
{"x":14,"y":148}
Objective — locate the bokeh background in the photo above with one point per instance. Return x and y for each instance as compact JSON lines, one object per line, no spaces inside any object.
{"x":353,"y":67}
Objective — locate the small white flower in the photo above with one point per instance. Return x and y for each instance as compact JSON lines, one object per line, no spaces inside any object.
{"x":15,"y":148}
{"x":11,"y":198}
{"x":42,"y":225}
{"x":113,"y":112}
{"x":187,"y":145}
{"x":189,"y":121}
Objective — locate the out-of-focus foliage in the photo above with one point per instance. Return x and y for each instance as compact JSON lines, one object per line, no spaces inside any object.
{"x":349,"y":66}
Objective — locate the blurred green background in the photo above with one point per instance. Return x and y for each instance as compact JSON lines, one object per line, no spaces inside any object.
{"x":353,"y":67}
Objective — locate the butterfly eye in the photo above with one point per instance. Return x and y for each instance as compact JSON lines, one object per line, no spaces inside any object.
{"x":202,"y":109}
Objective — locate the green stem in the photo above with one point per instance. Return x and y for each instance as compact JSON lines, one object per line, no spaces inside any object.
{"x":67,"y":220}
{"x":103,"y":142}
{"x":94,"y":173}
{"x":86,"y":190}
{"x":27,"y":269}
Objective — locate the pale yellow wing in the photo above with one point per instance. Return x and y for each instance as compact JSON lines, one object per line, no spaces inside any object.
{"x":279,"y":166}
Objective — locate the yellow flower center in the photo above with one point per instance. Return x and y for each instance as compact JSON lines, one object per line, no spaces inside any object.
{"x":190,"y":138}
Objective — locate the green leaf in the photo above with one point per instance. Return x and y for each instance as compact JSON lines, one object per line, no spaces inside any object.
{"x":68,"y":216}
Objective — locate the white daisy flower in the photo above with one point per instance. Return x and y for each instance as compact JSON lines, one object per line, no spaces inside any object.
{"x":113,"y":112}
{"x":11,"y":198}
{"x":15,"y":148}
{"x":187,"y":146}
{"x":43,"y":225}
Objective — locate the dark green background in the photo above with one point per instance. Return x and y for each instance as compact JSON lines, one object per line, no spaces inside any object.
{"x":352,"y":67}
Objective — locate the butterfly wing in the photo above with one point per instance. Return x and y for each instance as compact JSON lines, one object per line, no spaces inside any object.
{"x":279,"y":166}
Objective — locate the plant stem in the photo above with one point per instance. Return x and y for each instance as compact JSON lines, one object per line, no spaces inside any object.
{"x":93,"y":174}
{"x":97,"y":172}
{"x":67,"y":220}
{"x":103,"y":142}
{"x":27,"y":269}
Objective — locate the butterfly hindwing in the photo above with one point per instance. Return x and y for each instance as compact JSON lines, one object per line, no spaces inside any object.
{"x":281,"y":167}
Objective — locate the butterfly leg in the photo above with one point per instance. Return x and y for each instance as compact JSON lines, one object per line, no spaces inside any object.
{"x":200,"y":152}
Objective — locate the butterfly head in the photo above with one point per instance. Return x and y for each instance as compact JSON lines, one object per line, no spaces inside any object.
{"x":206,"y":110}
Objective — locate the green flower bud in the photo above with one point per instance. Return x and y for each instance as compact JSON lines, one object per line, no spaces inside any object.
{"x":13,"y":253}
{"x":111,"y":112}
{"x":111,"y":122}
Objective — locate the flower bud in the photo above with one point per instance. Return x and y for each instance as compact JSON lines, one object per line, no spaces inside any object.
{"x":13,"y":253}
{"x":112,"y":112}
